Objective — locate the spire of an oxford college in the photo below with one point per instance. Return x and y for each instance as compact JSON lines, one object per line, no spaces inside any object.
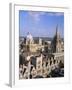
{"x":58,"y":40}
{"x":57,"y":33}
{"x":57,"y":29}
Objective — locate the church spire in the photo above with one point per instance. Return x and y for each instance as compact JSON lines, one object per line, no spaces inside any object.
{"x":57,"y":29}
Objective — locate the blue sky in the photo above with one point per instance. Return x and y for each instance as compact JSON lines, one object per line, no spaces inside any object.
{"x":41,"y":23}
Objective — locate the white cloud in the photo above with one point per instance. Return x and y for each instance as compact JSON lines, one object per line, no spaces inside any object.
{"x":36,"y":15}
{"x":55,"y":13}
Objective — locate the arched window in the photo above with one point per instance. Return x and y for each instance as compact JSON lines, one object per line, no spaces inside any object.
{"x":50,"y":62}
{"x":54,"y":61}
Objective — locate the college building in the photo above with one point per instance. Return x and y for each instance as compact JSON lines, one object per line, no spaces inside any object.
{"x":38,"y":58}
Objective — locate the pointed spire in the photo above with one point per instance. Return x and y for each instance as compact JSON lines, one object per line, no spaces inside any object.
{"x":57,"y":29}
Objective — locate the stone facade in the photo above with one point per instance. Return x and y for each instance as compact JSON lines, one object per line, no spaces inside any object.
{"x":50,"y":57}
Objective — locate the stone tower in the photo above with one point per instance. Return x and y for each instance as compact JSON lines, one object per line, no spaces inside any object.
{"x":29,"y":39}
{"x":40,"y":41}
{"x":56,"y":42}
